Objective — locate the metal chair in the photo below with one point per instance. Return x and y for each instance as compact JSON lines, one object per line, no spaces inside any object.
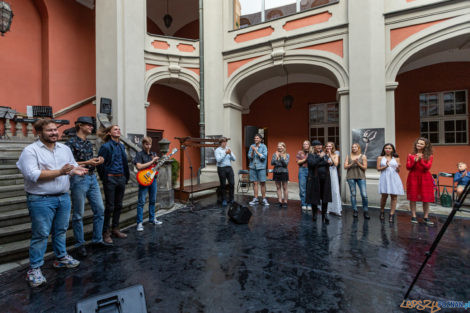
{"x":244,"y":182}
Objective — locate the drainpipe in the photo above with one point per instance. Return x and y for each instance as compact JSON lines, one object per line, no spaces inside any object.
{"x":202,"y":124}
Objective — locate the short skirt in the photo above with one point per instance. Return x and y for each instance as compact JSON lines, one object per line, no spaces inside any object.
{"x":281,"y":177}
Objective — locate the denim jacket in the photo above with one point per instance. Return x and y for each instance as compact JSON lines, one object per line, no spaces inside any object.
{"x":258,"y":162}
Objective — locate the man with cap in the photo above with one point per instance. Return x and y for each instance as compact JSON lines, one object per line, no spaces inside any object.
{"x":318,"y":181}
{"x":85,"y":187}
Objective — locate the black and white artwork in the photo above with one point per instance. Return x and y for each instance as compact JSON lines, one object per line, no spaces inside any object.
{"x":210,"y":156}
{"x":136,"y":139}
{"x":371,"y":141}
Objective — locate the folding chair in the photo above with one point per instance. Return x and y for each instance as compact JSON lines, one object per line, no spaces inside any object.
{"x":244,"y":182}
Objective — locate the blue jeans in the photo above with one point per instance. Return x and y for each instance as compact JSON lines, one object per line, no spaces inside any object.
{"x":152,"y":192}
{"x":362,"y":187}
{"x":82,"y":188}
{"x":49,"y":215}
{"x":303,"y":174}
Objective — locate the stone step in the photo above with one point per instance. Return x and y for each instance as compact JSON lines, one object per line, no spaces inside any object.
{"x":22,"y":231}
{"x":8,"y":160}
{"x":18,"y":250}
{"x":8,"y":169}
{"x":14,"y":211}
{"x":11,"y":191}
{"x":11,"y":179}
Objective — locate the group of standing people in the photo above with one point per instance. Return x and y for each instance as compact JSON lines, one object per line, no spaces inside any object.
{"x":319,"y":178}
{"x":52,"y":169}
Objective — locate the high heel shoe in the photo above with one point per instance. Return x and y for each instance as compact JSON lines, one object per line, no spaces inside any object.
{"x":391,"y":218}
{"x":382,"y":215}
{"x":325,"y":219}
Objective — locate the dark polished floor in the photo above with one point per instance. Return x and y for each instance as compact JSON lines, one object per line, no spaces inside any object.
{"x":280,"y":262}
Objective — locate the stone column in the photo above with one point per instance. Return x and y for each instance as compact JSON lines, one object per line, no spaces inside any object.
{"x":233,"y":130}
{"x":120,"y":66}
{"x":345,"y":133}
{"x":213,"y":76}
{"x":367,"y":97}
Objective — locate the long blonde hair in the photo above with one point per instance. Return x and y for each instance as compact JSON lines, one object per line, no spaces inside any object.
{"x":359,"y":150}
{"x":104,"y":133}
{"x":284,"y":153}
{"x":333,"y":147}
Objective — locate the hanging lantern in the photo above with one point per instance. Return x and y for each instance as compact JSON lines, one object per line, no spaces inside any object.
{"x":167,"y":19}
{"x":6,"y":15}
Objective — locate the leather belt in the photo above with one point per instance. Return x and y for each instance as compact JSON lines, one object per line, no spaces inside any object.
{"x":116,"y":175}
{"x":49,"y":195}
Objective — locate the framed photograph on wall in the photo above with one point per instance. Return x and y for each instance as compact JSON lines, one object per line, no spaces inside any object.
{"x":209,"y":151}
{"x":136,"y":139}
{"x":371,"y":141}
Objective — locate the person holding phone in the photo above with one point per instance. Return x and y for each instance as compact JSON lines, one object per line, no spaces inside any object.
{"x":257,"y":155}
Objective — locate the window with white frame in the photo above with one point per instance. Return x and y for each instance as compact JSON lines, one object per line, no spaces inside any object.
{"x":324,"y":122}
{"x":252,"y":12}
{"x":444,"y":117}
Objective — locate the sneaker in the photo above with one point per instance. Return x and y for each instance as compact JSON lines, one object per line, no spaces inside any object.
{"x":35,"y":277}
{"x":255,"y":201}
{"x":156,"y":222}
{"x":428,"y":222}
{"x":265,"y":202}
{"x":67,"y":261}
{"x":140,"y":227}
{"x":414,"y":220}
{"x":355,"y":214}
{"x":366,"y":215}
{"x":304,"y":207}
{"x":309,"y":208}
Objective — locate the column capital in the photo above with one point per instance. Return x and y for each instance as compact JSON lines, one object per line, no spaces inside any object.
{"x":390,"y":86}
{"x":233,"y":106}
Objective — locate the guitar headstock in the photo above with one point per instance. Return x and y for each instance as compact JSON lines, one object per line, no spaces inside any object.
{"x":173,"y":151}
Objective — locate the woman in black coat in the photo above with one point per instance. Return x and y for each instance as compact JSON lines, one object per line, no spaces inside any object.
{"x":318,"y":181}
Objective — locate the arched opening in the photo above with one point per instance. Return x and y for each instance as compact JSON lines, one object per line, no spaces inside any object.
{"x":432,"y":100}
{"x":315,"y":112}
{"x":173,"y":112}
{"x":185,"y":18}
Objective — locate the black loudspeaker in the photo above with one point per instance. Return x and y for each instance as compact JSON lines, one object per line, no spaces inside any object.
{"x":250,"y":132}
{"x":106,"y":106}
{"x":239,"y":214}
{"x":127,"y":300}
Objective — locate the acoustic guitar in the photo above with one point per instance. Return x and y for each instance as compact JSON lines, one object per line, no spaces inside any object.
{"x":146,"y":176}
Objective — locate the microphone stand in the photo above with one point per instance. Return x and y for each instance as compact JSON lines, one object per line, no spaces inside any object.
{"x":191,"y":205}
{"x":456,"y":207}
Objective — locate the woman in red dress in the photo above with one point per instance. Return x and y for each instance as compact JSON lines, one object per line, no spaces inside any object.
{"x":420,"y":184}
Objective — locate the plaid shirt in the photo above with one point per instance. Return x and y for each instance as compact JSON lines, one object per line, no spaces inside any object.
{"x":82,"y":151}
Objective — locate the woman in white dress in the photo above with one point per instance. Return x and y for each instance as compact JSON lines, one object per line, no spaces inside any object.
{"x":388,"y":164}
{"x":334,"y":207}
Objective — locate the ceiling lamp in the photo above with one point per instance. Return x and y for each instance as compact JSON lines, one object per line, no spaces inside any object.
{"x":167,"y":19}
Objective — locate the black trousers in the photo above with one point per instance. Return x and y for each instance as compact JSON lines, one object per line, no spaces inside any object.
{"x":324,"y":204}
{"x":113,"y":194}
{"x":226,"y":173}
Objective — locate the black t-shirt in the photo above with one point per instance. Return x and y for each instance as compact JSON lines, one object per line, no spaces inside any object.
{"x":142,"y":157}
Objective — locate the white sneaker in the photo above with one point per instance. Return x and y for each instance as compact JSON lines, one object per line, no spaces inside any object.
{"x":156,"y":222}
{"x":255,"y":201}
{"x":309,"y":208}
{"x":140,"y":227}
{"x":35,"y":277}
{"x":304,"y":207}
{"x":265,"y":202}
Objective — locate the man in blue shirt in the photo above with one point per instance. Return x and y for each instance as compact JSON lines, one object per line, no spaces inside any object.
{"x":257,"y":154}
{"x":224,"y":156}
{"x":114,"y":173}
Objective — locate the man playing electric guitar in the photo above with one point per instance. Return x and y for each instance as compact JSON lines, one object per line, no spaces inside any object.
{"x":145,"y":159}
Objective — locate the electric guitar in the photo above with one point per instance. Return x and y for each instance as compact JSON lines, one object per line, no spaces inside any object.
{"x":146,"y":176}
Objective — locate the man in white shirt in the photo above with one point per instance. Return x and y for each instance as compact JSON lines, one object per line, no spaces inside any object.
{"x":224,"y":156}
{"x":46,"y":166}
